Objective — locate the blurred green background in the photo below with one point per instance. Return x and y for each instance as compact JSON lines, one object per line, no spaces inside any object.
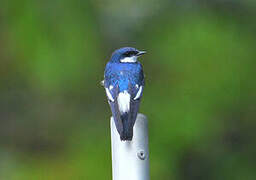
{"x":199,"y":96}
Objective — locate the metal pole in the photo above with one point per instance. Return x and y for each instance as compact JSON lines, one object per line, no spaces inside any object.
{"x":130,"y":159}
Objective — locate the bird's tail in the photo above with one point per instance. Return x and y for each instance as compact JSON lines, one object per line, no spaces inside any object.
{"x":127,"y":132}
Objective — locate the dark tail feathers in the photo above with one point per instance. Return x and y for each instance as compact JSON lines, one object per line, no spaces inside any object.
{"x":127,"y":132}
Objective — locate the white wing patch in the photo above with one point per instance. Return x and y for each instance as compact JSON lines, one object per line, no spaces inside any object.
{"x":102,"y":82}
{"x":138,"y":93}
{"x":109,"y":95}
{"x":132,"y":59}
{"x":123,"y":101}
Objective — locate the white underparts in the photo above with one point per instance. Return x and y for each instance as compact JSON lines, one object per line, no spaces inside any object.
{"x":138,"y":93}
{"x":123,"y":101}
{"x":132,"y":59}
{"x":109,"y":95}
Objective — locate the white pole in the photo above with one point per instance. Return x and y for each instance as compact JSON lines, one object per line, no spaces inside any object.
{"x":130,"y":159}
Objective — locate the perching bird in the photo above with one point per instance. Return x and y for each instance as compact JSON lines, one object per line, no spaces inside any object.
{"x":124,"y":83}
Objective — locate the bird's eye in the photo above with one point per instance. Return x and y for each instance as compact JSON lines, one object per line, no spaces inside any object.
{"x":127,"y":54}
{"x":133,"y":53}
{"x":130,"y":53}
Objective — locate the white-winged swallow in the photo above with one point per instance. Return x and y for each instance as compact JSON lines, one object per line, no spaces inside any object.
{"x":124,"y":84}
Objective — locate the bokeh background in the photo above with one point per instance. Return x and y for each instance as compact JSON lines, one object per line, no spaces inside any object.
{"x":199,"y":98}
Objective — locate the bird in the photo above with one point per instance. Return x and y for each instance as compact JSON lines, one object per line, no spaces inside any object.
{"x":124,"y":84}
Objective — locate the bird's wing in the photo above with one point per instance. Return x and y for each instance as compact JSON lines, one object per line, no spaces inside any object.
{"x":109,"y":84}
{"x":115,"y":109}
{"x":136,"y":88}
{"x":124,"y":107}
{"x":124,"y":104}
{"x":130,"y":103}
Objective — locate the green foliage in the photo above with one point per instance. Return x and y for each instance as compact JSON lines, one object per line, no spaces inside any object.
{"x":199,"y":95}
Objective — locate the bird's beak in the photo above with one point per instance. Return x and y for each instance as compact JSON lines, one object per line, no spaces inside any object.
{"x":141,"y":53}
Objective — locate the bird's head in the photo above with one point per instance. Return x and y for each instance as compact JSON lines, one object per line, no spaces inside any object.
{"x":126,"y":55}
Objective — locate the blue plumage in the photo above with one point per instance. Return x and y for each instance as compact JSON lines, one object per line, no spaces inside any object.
{"x":124,"y":83}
